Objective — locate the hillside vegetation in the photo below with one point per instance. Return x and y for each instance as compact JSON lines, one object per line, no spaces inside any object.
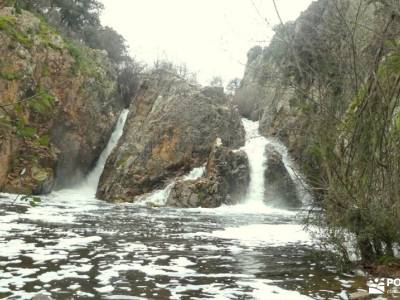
{"x":328,"y":85}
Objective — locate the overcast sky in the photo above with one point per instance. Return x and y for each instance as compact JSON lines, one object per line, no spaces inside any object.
{"x":211,"y":37}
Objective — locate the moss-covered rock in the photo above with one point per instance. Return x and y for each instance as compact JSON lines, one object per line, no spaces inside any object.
{"x":60,"y":105}
{"x":170,"y":129}
{"x":225,"y":182}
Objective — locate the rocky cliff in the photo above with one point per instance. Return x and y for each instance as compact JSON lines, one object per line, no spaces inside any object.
{"x":280,"y":189}
{"x":170,"y":129}
{"x":225,"y":181}
{"x":331,"y":83}
{"x":59,"y":104}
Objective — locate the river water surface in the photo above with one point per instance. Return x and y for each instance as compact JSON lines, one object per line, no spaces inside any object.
{"x":73,"y":246}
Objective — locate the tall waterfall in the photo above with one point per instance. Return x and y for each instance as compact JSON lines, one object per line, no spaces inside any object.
{"x":93,"y":178}
{"x":255,"y":150}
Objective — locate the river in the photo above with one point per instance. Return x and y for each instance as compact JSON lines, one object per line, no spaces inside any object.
{"x":73,"y":246}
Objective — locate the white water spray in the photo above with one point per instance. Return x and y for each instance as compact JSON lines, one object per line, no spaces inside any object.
{"x":92,"y":180}
{"x":255,"y":150}
{"x":159,"y":197}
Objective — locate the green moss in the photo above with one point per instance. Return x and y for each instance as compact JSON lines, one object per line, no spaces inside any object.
{"x":10,"y":75}
{"x":201,"y":195}
{"x":82,"y":63}
{"x":47,"y":34}
{"x":26,"y":131}
{"x":123,"y":160}
{"x":43,"y":102}
{"x":386,"y":260}
{"x":5,"y":125}
{"x":398,"y":121}
{"x":45,"y":71}
{"x":39,"y":174}
{"x":44,"y":140}
{"x":8,"y":25}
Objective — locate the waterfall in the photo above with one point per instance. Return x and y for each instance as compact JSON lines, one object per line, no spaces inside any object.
{"x":299,"y":181}
{"x":159,"y":197}
{"x":92,"y":180}
{"x":255,"y":150}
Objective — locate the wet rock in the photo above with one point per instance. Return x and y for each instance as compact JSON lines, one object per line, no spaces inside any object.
{"x":280,"y":190}
{"x":226,"y":181}
{"x":230,"y":168}
{"x":195,"y":193}
{"x":170,"y":129}
{"x":42,"y":297}
{"x":359,"y":295}
{"x":59,"y":132}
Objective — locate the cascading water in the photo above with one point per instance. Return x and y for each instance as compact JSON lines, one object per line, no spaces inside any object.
{"x":255,"y":150}
{"x":84,"y":195}
{"x":77,"y":247}
{"x":159,"y":197}
{"x":92,"y":180}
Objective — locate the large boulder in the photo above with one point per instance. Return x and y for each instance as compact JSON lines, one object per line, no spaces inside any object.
{"x":201,"y":192}
{"x":280,"y":189}
{"x":226,"y":181}
{"x":170,"y":129}
{"x":61,"y":105}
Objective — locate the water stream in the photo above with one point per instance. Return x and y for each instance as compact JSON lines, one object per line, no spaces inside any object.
{"x":74,"y":246}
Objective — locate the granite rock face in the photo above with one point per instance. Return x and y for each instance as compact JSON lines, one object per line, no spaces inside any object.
{"x":170,"y":129}
{"x":61,"y":105}
{"x":225,"y":182}
{"x":280,"y":189}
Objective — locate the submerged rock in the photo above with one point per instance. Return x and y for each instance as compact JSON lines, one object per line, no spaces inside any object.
{"x":62,"y":103}
{"x":280,"y":190}
{"x":170,"y":129}
{"x":226,"y":180}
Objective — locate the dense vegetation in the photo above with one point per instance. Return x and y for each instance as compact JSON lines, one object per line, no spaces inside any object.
{"x":79,"y":20}
{"x":340,"y":66}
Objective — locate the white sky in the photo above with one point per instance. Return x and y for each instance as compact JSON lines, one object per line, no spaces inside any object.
{"x":211,"y":37}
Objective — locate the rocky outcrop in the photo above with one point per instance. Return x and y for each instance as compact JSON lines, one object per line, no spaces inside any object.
{"x":225,"y":182}
{"x":260,"y":95}
{"x":170,"y":129}
{"x":250,"y":96}
{"x":60,"y":105}
{"x":5,"y":158}
{"x":194,"y":193}
{"x":280,"y":190}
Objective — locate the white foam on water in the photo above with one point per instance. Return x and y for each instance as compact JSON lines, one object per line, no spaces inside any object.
{"x":245,"y":208}
{"x":260,"y":289}
{"x":67,"y":205}
{"x":76,"y":243}
{"x":265,"y":289}
{"x":13,"y":248}
{"x":265,"y":234}
{"x":183,"y":262}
